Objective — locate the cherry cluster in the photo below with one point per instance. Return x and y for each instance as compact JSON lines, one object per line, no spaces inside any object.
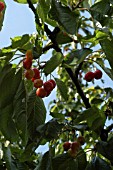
{"x":2,"y":6}
{"x":89,"y":76}
{"x":73,"y":147}
{"x":43,"y":88}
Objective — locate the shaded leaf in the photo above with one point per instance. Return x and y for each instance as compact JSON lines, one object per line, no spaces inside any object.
{"x":107,"y":48}
{"x":98,"y":164}
{"x":62,"y":88}
{"x":77,"y":56}
{"x":19,"y":41}
{"x":64,"y":161}
{"x":53,"y":63}
{"x":106,"y":149}
{"x":64,"y":16}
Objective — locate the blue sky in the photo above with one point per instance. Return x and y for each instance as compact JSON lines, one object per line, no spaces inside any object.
{"x":19,"y":20}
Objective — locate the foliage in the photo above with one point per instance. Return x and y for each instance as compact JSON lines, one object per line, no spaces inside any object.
{"x":81,"y":40}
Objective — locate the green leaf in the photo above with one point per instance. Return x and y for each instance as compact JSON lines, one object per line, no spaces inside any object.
{"x":25,"y":1}
{"x":36,"y":112}
{"x":98,"y":164}
{"x":77,"y":56}
{"x":8,"y":159}
{"x":9,"y":86}
{"x":107,"y":70}
{"x":81,"y":158}
{"x":63,"y":38}
{"x":91,"y":115}
{"x":64,"y":16}
{"x":107,"y":48}
{"x":7,"y":125}
{"x":47,"y":129}
{"x":62,"y":88}
{"x":64,"y":161}
{"x":53,"y":63}
{"x":43,"y":9}
{"x":19,"y":41}
{"x":45,"y":163}
{"x":99,"y":10}
{"x":106,"y":149}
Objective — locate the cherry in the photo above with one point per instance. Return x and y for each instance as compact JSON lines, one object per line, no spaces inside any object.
{"x":38,"y":83}
{"x":53,"y":82}
{"x":81,"y":140}
{"x":27,"y":64}
{"x":75,"y":146}
{"x":98,"y":74}
{"x":29,"y":74}
{"x":41,"y":92}
{"x":2,"y":6}
{"x":48,"y":86}
{"x":29,"y":55}
{"x":89,"y":76}
{"x":37,"y":73}
{"x":66,"y":146}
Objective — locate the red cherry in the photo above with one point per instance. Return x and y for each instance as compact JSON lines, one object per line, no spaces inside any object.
{"x":48,"y":86}
{"x":53,"y":82}
{"x":2,"y":6}
{"x":29,"y":55}
{"x":89,"y":76}
{"x":27,"y":64}
{"x":29,"y":74}
{"x":81,"y":140}
{"x":38,"y":83}
{"x":48,"y":93}
{"x":66,"y":146}
{"x":98,"y":74}
{"x":37,"y":73}
{"x":75,"y":146}
{"x":41,"y":92}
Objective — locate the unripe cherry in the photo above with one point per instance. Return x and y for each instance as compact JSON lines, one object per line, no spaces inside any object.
{"x":29,"y":74}
{"x":29,"y":55}
{"x":27,"y":64}
{"x":40,"y":92}
{"x":89,"y":76}
{"x":98,"y":74}
{"x":38,"y":83}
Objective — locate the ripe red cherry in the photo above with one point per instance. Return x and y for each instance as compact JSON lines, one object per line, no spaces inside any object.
{"x":66,"y":146}
{"x":98,"y":74}
{"x":53,"y":82}
{"x":81,"y":140}
{"x":29,"y":55}
{"x":41,"y":92}
{"x":89,"y":76}
{"x":48,"y":86}
{"x":75,"y":146}
{"x":38,"y":83}
{"x":27,"y":64}
{"x":29,"y":74}
{"x":37,"y":73}
{"x":2,"y":6}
